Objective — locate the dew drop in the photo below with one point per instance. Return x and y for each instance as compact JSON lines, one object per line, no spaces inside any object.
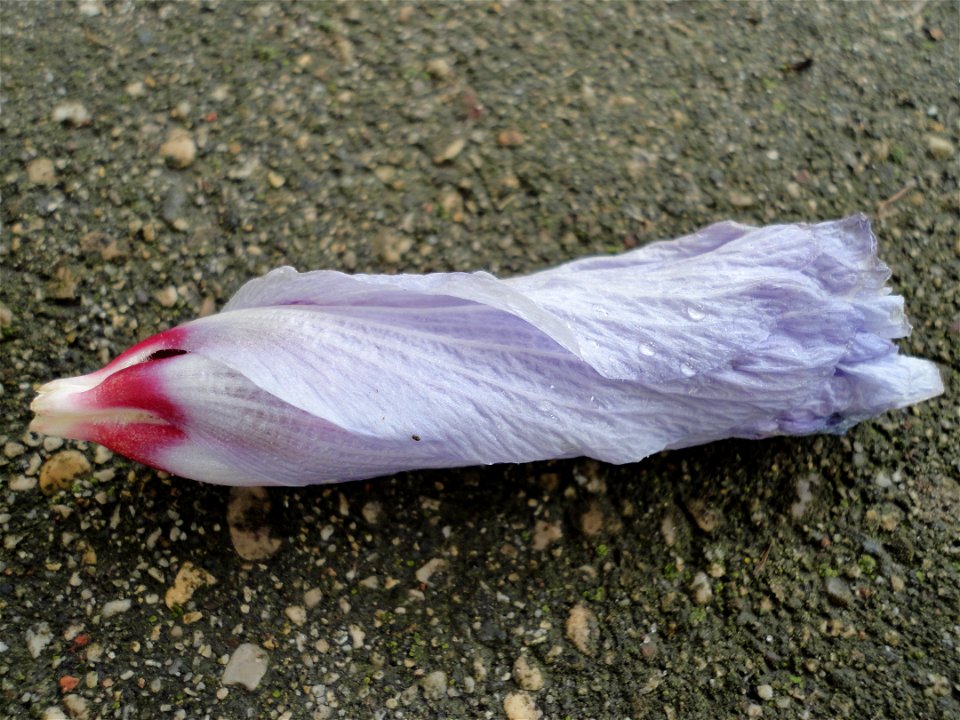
{"x":695,"y":313}
{"x":647,"y":349}
{"x":687,"y":370}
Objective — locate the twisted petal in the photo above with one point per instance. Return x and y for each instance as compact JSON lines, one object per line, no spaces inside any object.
{"x":318,"y":377}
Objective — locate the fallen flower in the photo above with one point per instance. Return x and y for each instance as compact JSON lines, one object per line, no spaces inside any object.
{"x":733,"y":331}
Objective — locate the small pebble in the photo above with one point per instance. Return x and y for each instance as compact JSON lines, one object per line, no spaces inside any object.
{"x":429,"y":569}
{"x":246,"y":666}
{"x":520,"y":706}
{"x":702,"y":589}
{"x":59,"y":472}
{"x":889,"y":522}
{"x":297,"y":614}
{"x":345,"y":50}
{"x":64,"y":284}
{"x":68,"y":683}
{"x":246,"y":510}
{"x":391,"y":246}
{"x":89,"y":8}
{"x":545,"y":534}
{"x":115,"y":607}
{"x":434,"y":685}
{"x":592,"y":521}
{"x":510,"y":138}
{"x":882,"y":480}
{"x":312,"y":597}
{"x":40,"y":171}
{"x":189,"y":579}
{"x":179,"y":150}
{"x":940,"y":148}
{"x":357,"y":636}
{"x":838,"y":592}
{"x":371,"y":512}
{"x":72,"y":112}
{"x":13,"y":449}
{"x":765,"y":692}
{"x":76,"y":707}
{"x":38,"y":637}
{"x":452,"y":149}
{"x":173,"y":206}
{"x":439,"y":68}
{"x":167,"y":297}
{"x":707,"y":517}
{"x":582,"y":629}
{"x":527,"y":674}
{"x":939,"y":685}
{"x":22,"y":483}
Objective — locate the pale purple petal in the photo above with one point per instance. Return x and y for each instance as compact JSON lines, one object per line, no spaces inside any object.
{"x":730,"y":332}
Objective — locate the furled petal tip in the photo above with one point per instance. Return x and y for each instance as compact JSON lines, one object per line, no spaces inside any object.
{"x":733,"y":331}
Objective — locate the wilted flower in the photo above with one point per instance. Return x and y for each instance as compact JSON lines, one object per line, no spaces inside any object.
{"x":733,"y":331}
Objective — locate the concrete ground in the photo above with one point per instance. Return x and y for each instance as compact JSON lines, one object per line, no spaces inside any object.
{"x":155,"y":155}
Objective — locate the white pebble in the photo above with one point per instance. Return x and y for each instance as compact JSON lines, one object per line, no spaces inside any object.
{"x":939,"y":147}
{"x":312,"y":597}
{"x":527,"y":674}
{"x":72,"y":112}
{"x":76,"y":706}
{"x":429,"y":569}
{"x":702,"y":591}
{"x":21,"y":483}
{"x":520,"y":706}
{"x":246,"y":667}
{"x":297,"y":614}
{"x":357,"y":636}
{"x":115,"y":607}
{"x":38,"y":637}
{"x":179,"y":150}
{"x":434,"y":685}
{"x":13,"y":449}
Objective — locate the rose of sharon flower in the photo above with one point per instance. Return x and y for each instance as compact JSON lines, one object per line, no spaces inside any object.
{"x":319,"y":377}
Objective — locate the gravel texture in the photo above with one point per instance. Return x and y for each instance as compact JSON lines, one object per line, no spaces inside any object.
{"x":156,"y":155}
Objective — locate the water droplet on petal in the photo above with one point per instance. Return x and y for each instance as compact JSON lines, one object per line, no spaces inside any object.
{"x":695,"y":313}
{"x":647,"y":349}
{"x":687,"y":370}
